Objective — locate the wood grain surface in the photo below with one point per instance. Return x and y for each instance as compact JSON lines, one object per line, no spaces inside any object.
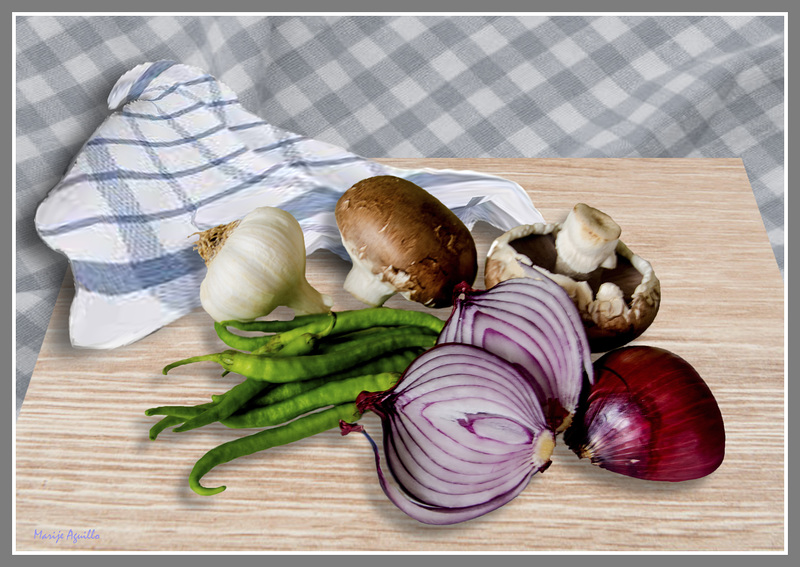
{"x":84,"y":462}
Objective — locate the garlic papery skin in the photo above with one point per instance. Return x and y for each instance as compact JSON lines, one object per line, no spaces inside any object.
{"x":256,"y":265}
{"x":587,"y":240}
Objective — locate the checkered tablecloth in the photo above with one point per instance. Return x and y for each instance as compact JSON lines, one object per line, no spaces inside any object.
{"x":413,"y":86}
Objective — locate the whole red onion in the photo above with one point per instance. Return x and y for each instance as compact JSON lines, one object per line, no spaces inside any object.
{"x":649,"y":415}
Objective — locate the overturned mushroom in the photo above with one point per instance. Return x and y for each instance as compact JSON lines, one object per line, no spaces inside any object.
{"x":616,"y":291}
{"x":401,"y":239}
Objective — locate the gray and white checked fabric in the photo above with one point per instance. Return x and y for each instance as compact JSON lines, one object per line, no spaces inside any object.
{"x":413,"y":86}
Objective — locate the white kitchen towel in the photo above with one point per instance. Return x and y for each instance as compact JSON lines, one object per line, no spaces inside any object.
{"x":178,"y":154}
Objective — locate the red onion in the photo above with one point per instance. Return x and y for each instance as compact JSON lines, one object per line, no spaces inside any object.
{"x":532,"y":323}
{"x":651,"y":416}
{"x":463,"y":433}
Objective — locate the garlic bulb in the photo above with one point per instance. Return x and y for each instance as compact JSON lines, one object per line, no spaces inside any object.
{"x":255,"y":265}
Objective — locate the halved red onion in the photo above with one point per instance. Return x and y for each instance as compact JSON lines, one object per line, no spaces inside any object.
{"x":649,"y":415}
{"x":463,"y":433}
{"x":532,"y":323}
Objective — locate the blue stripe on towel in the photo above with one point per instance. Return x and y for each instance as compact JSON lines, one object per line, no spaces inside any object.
{"x":311,"y":203}
{"x":160,"y":166}
{"x":114,"y":219}
{"x":155,"y":144}
{"x":248,"y":125}
{"x":141,"y":241}
{"x":166,"y":214}
{"x":160,"y":215}
{"x":127,"y":174}
{"x":176,"y":86}
{"x":326,"y":162}
{"x":145,"y":78}
{"x":119,"y":279}
{"x":177,"y":113}
{"x":279,"y":144}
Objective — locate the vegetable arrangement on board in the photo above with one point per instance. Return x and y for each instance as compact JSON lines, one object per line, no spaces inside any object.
{"x":471,"y":407}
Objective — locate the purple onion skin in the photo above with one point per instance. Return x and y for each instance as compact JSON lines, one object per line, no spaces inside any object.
{"x":649,"y":415}
{"x":559,"y":408}
{"x":463,"y":434}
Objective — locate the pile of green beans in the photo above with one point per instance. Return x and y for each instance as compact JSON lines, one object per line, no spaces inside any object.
{"x":301,"y":377}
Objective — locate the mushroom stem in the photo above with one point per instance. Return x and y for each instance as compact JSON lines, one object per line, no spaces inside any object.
{"x":366,"y":286}
{"x":587,"y":240}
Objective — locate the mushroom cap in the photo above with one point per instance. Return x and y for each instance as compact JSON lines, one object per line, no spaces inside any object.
{"x":616,"y":305}
{"x":407,"y":238}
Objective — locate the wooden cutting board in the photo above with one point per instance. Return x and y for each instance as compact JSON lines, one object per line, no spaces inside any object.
{"x":84,"y":462}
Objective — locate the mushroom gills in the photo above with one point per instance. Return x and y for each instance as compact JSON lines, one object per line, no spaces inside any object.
{"x":542,"y":248}
{"x":616,"y":291}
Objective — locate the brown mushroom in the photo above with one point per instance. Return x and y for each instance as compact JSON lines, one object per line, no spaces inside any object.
{"x":401,"y":239}
{"x":616,"y":291}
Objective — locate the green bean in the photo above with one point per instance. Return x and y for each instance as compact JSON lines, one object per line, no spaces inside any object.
{"x":330,"y":344}
{"x":268,"y":387}
{"x":296,"y":430}
{"x":393,"y":362}
{"x":297,"y":346}
{"x":281,"y":392}
{"x":241,"y":342}
{"x":222,"y":407}
{"x":291,"y":368}
{"x":361,"y":333}
{"x":275,"y":326}
{"x":359,"y":320}
{"x":184,"y":412}
{"x":280,"y":341}
{"x":301,"y":340}
{"x":216,"y":398}
{"x":396,"y":361}
{"x":330,"y":347}
{"x":347,"y":321}
{"x":234,"y":398}
{"x":328,"y":394}
{"x":168,"y":421}
{"x":187,"y":412}
{"x":344,"y":322}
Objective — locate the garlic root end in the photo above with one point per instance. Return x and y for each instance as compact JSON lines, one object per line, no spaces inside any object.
{"x":210,"y":241}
